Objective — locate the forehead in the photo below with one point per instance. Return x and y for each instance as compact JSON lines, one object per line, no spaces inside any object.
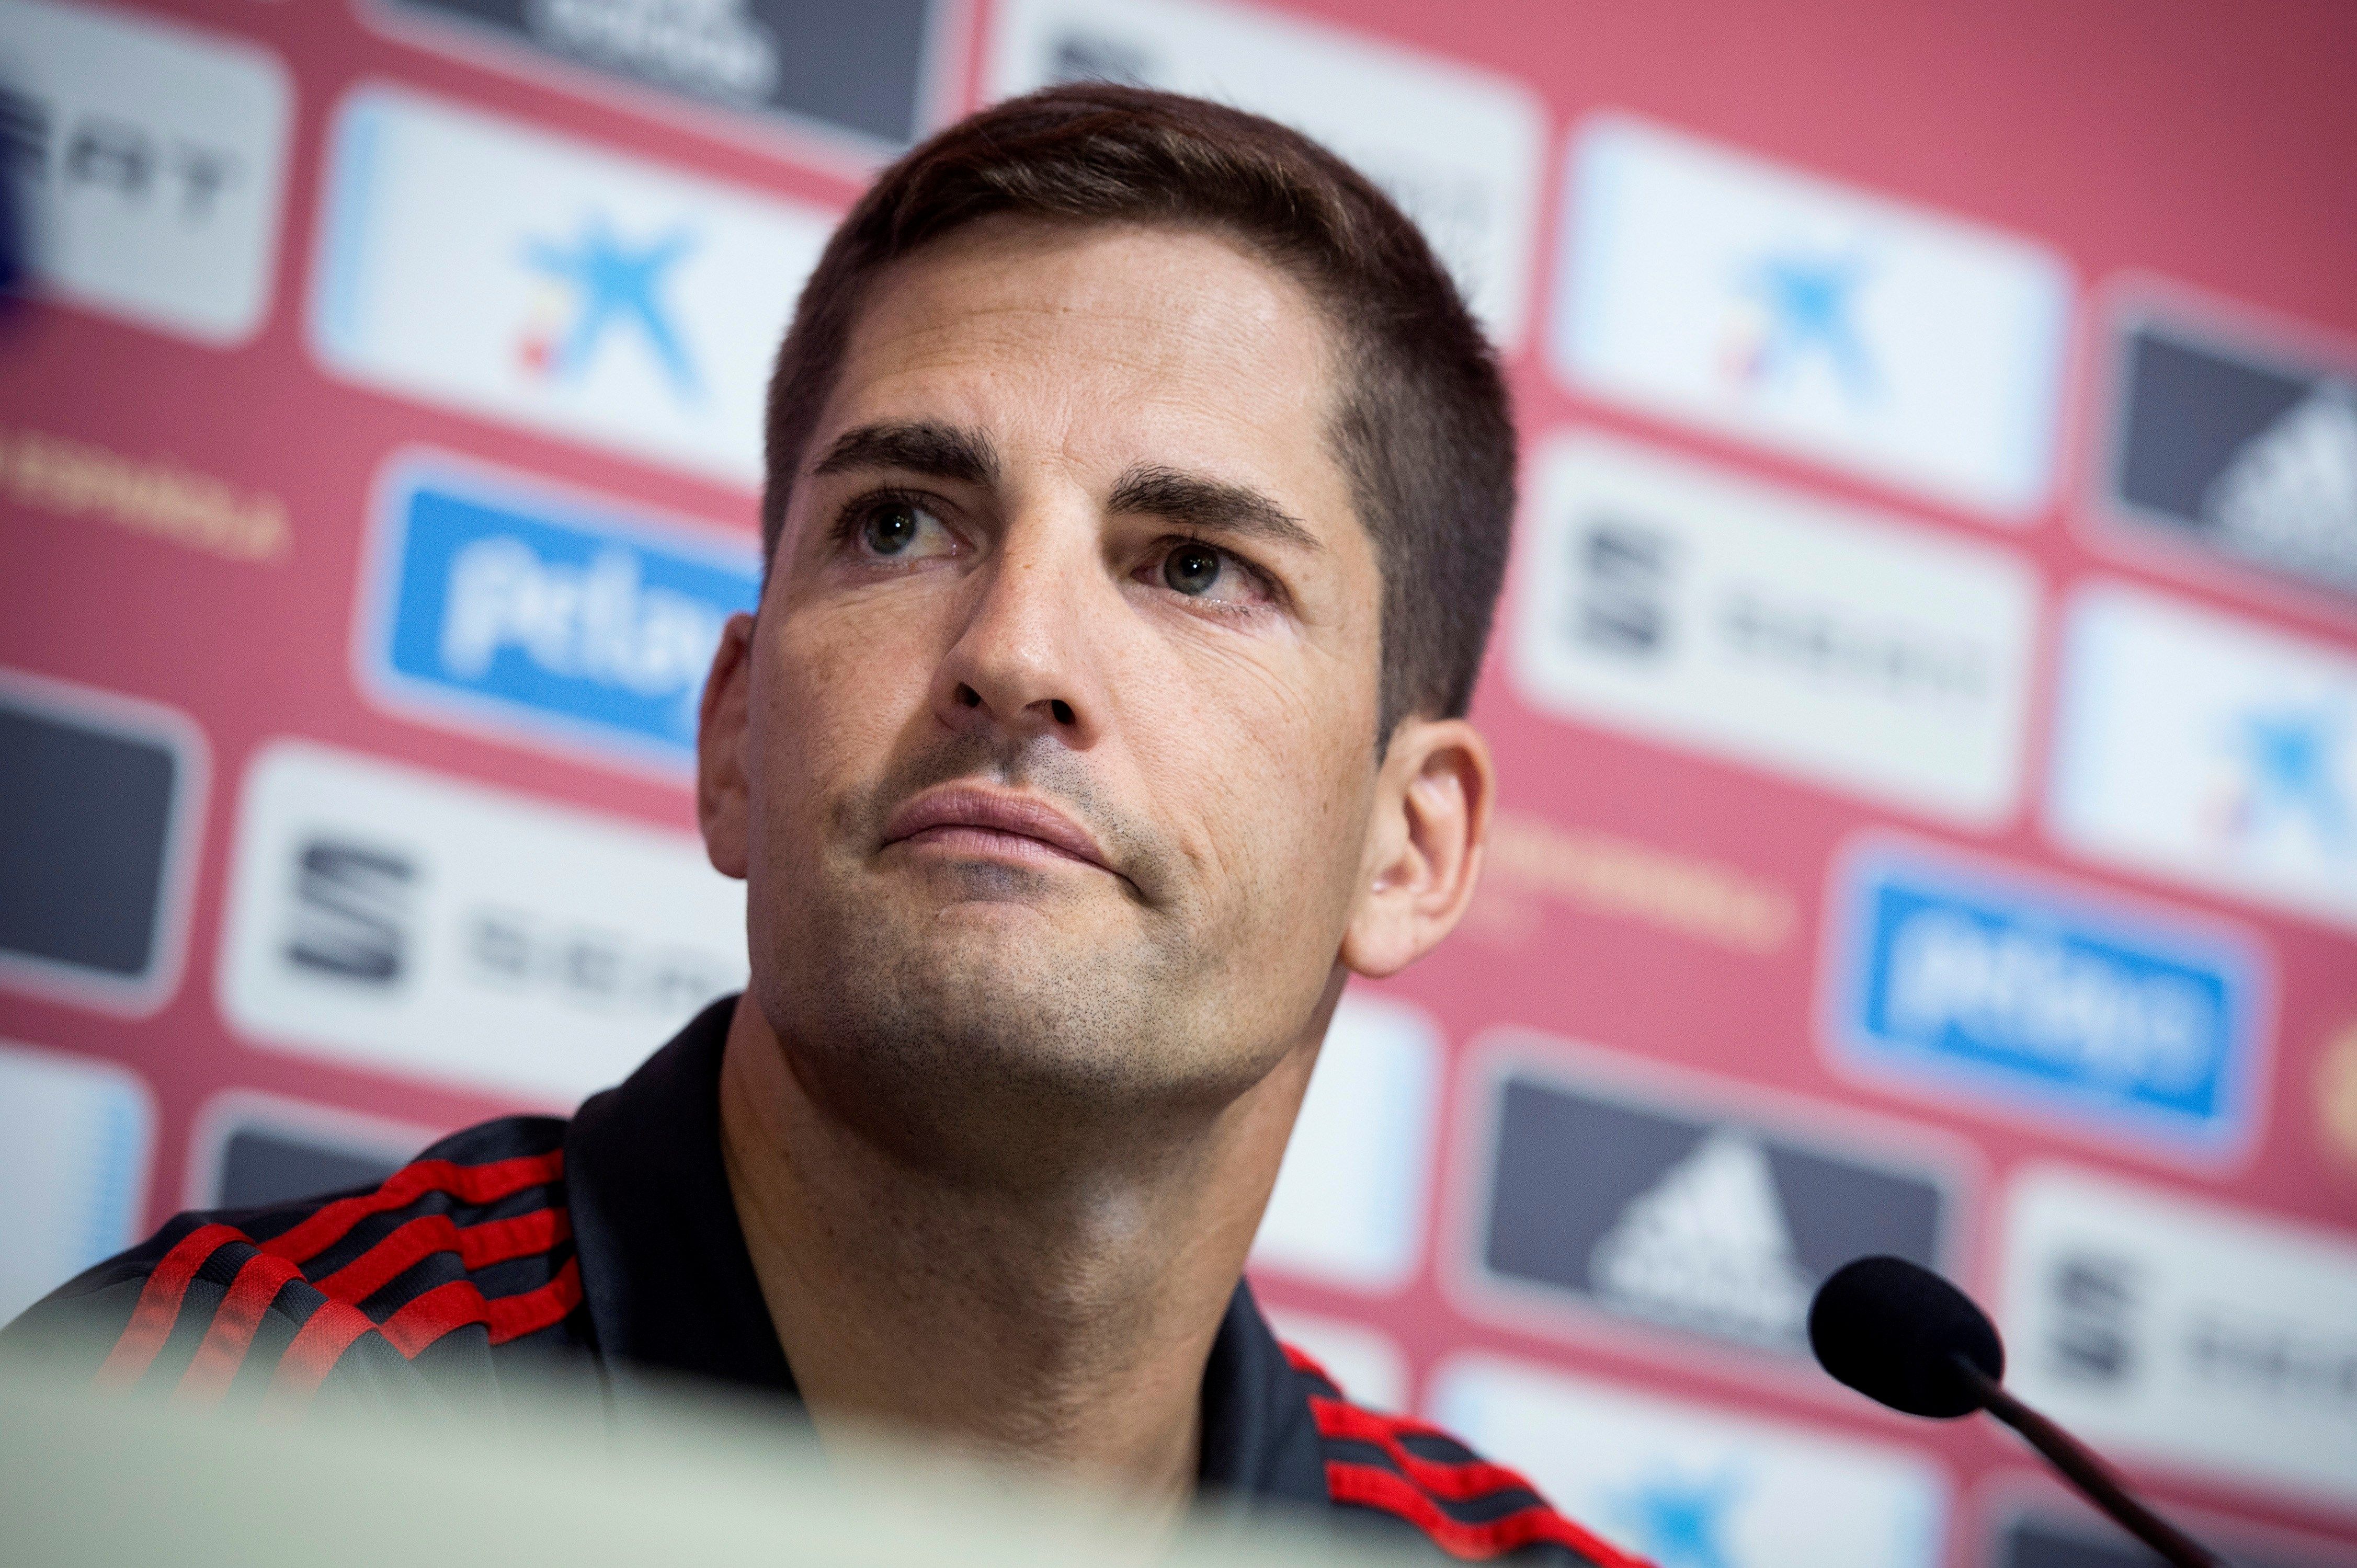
{"x":1102,"y":345}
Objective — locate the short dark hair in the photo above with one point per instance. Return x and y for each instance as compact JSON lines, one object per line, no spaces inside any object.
{"x":1421,"y":427}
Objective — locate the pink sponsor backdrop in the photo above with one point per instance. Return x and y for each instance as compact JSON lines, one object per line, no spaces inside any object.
{"x":2209,"y":145}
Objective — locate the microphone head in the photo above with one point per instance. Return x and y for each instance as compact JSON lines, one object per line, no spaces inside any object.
{"x":1892,"y":1329}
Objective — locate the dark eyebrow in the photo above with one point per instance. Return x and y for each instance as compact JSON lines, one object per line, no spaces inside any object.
{"x":1212,"y":504}
{"x":922,"y":446}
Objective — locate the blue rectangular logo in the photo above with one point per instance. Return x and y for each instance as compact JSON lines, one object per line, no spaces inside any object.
{"x":534,"y":615}
{"x":1956,"y":982}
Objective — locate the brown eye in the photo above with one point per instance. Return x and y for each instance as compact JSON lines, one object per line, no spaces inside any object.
{"x":1191,"y":569}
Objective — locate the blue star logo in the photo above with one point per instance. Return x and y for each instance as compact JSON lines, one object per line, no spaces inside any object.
{"x":618,"y":284}
{"x":2288,"y":758}
{"x":1810,"y":303}
{"x":1681,"y":1521}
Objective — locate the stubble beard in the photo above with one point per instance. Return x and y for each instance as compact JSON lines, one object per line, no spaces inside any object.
{"x":1003,"y":1046}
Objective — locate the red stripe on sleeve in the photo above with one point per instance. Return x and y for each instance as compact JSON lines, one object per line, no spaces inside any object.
{"x":259,"y":1280}
{"x":1457,"y":1482}
{"x":519,"y":1236}
{"x":159,"y":1305}
{"x":472,"y":1184}
{"x":324,"y":1336}
{"x":492,"y":1242}
{"x":513,"y":1316}
{"x":1370,"y":1487}
{"x":448,"y":1308}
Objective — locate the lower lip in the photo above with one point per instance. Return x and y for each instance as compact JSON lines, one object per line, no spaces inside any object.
{"x":964,"y":842}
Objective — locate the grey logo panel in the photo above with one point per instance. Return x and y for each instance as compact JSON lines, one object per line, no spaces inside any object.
{"x":2237,"y":454}
{"x":94,"y":793}
{"x":2035,"y":1540}
{"x":264,"y":1166}
{"x":857,"y":68}
{"x":1709,"y":1224}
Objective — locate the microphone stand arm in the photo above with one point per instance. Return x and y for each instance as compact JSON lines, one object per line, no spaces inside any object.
{"x":2088,"y":1473}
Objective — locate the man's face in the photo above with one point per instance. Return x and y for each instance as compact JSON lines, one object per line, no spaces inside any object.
{"x":1059,"y":716}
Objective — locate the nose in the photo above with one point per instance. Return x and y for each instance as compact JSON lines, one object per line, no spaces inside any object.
{"x":1022,"y":665}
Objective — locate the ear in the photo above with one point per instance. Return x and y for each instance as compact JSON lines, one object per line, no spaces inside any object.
{"x":721,"y":806}
{"x":1433,"y":797}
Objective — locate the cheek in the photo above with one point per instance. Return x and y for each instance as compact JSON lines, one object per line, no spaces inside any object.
{"x":1280,"y":809}
{"x":835,"y":687}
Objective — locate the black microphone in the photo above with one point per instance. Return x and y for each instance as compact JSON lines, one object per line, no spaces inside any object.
{"x":1901,"y":1334}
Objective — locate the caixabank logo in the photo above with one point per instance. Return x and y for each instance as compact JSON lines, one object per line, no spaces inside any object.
{"x":1765,"y":303}
{"x":494,"y":267}
{"x":1960,"y":981}
{"x":509,"y":608}
{"x":1687,"y":1485}
{"x":2209,"y":749}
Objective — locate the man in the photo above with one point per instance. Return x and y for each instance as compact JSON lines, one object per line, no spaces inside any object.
{"x":1139,"y":492}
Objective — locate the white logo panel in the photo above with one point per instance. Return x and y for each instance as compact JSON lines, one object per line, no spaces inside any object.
{"x":1752,"y":623}
{"x":2210,"y":750}
{"x":408,"y":922}
{"x":2210,"y":1338}
{"x":75,"y":1137}
{"x":1689,"y":1484}
{"x":477,"y":263}
{"x":1348,"y":1204}
{"x":1718,"y":288}
{"x":161,"y":153}
{"x":1457,"y":148}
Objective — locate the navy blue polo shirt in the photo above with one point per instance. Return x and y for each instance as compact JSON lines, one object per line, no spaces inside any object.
{"x":606,"y":1245}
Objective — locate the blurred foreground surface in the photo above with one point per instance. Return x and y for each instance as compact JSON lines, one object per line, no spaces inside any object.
{"x":87,"y":1478}
{"x":1925,"y":697}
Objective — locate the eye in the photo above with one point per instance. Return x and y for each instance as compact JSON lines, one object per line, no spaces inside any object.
{"x":1208,"y":574}
{"x":894,"y":528}
{"x":1192,"y":569}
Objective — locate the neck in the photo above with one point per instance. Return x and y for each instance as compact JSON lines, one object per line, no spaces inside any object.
{"x":1061,"y":1325}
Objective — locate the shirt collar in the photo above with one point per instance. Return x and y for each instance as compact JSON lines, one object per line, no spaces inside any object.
{"x":670,"y":1286}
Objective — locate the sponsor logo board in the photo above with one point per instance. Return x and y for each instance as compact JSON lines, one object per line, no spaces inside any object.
{"x":859,"y":74}
{"x":75,"y":1137}
{"x":391,"y":919}
{"x":1348,"y":1205}
{"x":498,"y":269}
{"x":1607,"y":1196}
{"x":1843,"y":648}
{"x":504,"y":605}
{"x":249,"y":1150}
{"x":2048,"y":1537}
{"x":2232,"y":446}
{"x":1690,"y":1485}
{"x":151,"y":157}
{"x":2216,"y":1341}
{"x":1368,"y":1366}
{"x":101,"y":812}
{"x":1953,"y":979}
{"x":2209,"y":750}
{"x":1459,"y":149}
{"x":1757,"y":301}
